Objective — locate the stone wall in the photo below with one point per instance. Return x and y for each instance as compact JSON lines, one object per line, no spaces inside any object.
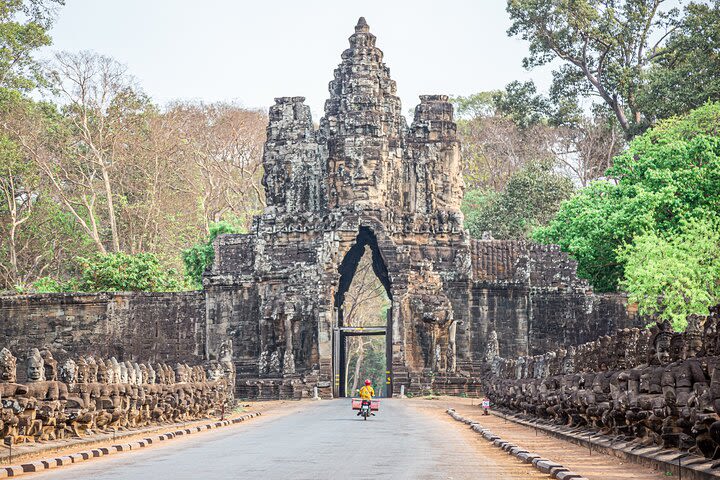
{"x":156,"y":327}
{"x":532,"y":297}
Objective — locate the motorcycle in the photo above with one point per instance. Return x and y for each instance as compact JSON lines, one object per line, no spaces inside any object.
{"x":366,"y":407}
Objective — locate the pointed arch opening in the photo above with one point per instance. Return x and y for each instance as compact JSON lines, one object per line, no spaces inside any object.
{"x":363,"y":303}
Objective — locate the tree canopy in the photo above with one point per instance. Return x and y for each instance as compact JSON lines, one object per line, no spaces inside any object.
{"x":674,"y":275}
{"x":643,"y":59}
{"x":530,"y":199}
{"x":667,"y":176}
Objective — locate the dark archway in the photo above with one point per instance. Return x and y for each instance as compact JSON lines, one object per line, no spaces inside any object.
{"x":366,"y":238}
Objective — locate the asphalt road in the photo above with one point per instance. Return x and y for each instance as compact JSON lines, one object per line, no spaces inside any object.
{"x":323,"y":440}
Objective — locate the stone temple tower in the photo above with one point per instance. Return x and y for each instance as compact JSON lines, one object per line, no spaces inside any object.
{"x":364,"y":178}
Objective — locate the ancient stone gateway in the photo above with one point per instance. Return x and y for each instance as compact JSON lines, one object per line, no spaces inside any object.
{"x":366,"y":178}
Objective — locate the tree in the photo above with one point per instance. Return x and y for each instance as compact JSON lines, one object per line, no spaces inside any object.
{"x":23,"y":29}
{"x":530,"y":199}
{"x":674,"y":275}
{"x":200,"y":256}
{"x":604,"y":47}
{"x":101,"y":105}
{"x":494,"y":145}
{"x":503,"y":130}
{"x":686,"y":76}
{"x":224,"y":144}
{"x":594,"y":223}
{"x":37,"y":237}
{"x":585,"y":149}
{"x":667,"y":176}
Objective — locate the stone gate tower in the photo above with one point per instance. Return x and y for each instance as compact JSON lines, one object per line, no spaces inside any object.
{"x":364,"y":178}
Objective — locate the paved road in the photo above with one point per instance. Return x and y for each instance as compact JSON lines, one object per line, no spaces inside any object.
{"x":322,"y":440}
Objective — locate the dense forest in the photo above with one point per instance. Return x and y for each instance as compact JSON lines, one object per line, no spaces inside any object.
{"x":618,"y":162}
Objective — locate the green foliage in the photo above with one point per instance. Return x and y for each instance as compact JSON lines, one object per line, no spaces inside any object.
{"x":602,"y":47}
{"x":591,"y":225}
{"x":669,"y":175}
{"x":521,"y":102}
{"x":674,"y":275}
{"x":530,"y":199}
{"x":481,"y":104}
{"x":684,"y":75}
{"x":122,"y":272}
{"x":53,"y":285}
{"x":201,"y":255}
{"x":23,"y":29}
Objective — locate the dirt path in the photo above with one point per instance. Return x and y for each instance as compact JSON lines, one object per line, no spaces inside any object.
{"x":595,"y":466}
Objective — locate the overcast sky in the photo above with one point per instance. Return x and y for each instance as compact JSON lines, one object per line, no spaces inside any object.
{"x":253,"y":51}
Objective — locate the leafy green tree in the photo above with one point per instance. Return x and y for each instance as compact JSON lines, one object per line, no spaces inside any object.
{"x":521,"y":102}
{"x":23,"y":29}
{"x":674,"y":275}
{"x":603,"y":47}
{"x":201,"y":255}
{"x":686,"y":76}
{"x":591,"y":226}
{"x":668,"y":175}
{"x":123,"y":272}
{"x":530,"y":199}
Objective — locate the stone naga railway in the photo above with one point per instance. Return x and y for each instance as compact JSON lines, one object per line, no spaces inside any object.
{"x":363,"y":178}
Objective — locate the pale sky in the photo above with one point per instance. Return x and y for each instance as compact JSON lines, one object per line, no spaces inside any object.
{"x":253,"y":51}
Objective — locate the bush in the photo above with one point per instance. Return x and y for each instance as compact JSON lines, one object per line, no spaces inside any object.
{"x":201,"y":255}
{"x":122,"y":272}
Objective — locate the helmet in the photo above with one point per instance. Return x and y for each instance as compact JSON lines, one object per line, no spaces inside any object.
{"x":367,"y":382}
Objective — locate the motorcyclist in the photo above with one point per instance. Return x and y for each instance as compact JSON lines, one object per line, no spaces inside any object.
{"x":366,"y":393}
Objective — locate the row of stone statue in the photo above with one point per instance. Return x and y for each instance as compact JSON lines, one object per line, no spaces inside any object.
{"x":88,"y":395}
{"x":668,"y":397}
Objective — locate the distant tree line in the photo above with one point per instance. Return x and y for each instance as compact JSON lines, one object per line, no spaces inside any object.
{"x":95,"y":177}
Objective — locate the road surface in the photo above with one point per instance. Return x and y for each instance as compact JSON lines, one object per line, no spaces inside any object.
{"x":323,"y":440}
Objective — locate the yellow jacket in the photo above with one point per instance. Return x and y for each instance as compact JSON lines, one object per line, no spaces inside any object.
{"x":367,"y":392}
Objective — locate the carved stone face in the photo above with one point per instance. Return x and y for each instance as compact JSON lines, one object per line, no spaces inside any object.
{"x":116,"y":371}
{"x":49,"y":364}
{"x":103,"y":373}
{"x":35,"y":366}
{"x":677,"y":347}
{"x":83,"y":371}
{"x":130,"y":373}
{"x":68,"y":371}
{"x":181,"y":373}
{"x":662,"y":348}
{"x":8,"y":366}
{"x":123,"y":374}
{"x":90,"y":369}
{"x":144,"y":374}
{"x":226,"y":351}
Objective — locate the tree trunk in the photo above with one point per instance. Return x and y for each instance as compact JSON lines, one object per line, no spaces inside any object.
{"x":111,"y":210}
{"x":358,"y":362}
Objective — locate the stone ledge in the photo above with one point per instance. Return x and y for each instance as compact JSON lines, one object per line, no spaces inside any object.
{"x":49,"y":463}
